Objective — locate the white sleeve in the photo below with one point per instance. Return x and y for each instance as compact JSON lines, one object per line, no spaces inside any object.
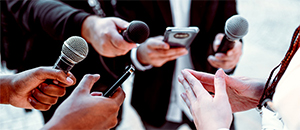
{"x":223,"y":129}
{"x":136,"y":63}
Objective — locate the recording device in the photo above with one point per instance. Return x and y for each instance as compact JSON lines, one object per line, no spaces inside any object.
{"x":180,"y":36}
{"x":136,"y":32}
{"x":110,"y":91}
{"x":236,"y":27}
{"x":74,"y":50}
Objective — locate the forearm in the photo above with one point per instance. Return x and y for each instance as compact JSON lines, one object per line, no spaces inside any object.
{"x":5,"y":85}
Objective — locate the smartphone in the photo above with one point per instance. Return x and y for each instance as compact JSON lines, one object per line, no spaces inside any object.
{"x":111,"y":90}
{"x":180,"y":36}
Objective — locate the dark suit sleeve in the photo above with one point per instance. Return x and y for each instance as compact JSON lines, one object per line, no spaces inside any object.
{"x":57,"y":19}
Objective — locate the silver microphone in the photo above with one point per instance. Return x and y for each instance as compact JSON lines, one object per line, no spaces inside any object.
{"x":236,"y":27}
{"x":74,"y":50}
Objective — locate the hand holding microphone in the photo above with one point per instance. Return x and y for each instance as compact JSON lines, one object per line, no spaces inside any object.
{"x":74,"y":50}
{"x":104,"y":35}
{"x":228,"y":47}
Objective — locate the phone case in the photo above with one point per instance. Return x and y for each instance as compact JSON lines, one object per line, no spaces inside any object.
{"x":180,"y":36}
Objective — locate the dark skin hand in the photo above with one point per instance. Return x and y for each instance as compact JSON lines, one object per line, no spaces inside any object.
{"x":28,"y":90}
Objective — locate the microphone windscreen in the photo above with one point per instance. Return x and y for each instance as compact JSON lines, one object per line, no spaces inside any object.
{"x":75,"y":48}
{"x":236,"y":27}
{"x":138,"y":31}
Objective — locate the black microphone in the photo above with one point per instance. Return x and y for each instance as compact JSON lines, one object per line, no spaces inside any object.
{"x":236,"y":27}
{"x":74,"y":50}
{"x":136,"y":32}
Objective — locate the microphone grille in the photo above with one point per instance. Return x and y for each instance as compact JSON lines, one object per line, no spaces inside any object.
{"x":236,"y":27}
{"x":138,"y":31}
{"x":75,"y":48}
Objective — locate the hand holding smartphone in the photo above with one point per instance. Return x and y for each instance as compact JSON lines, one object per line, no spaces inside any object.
{"x":180,"y":36}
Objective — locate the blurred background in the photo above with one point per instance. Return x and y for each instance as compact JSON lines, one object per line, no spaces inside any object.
{"x":271,"y":26}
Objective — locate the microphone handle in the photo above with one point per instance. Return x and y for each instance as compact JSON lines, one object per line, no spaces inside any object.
{"x":225,"y":45}
{"x":63,"y":64}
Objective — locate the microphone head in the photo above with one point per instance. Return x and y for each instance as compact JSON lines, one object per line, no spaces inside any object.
{"x":236,"y":27}
{"x":137,"y":31}
{"x":75,"y":49}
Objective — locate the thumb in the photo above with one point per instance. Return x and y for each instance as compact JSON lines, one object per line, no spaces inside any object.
{"x":157,"y":43}
{"x":120,"y":23}
{"x":217,"y":41}
{"x":220,"y":85}
{"x":87,"y":83}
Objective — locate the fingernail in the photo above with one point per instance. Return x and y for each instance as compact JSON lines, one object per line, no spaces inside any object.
{"x":70,"y":80}
{"x":55,"y":81}
{"x":29,"y":100}
{"x":219,"y":73}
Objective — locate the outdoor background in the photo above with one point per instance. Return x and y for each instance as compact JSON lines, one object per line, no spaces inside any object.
{"x":271,"y":26}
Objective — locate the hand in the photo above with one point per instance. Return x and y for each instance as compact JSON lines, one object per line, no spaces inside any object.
{"x":82,"y":110}
{"x":24,"y":90}
{"x":244,"y":93}
{"x":156,"y":52}
{"x":104,"y":36}
{"x":228,"y":60}
{"x":209,"y":113}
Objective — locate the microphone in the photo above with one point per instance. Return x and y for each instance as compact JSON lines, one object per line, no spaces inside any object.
{"x":136,"y":32}
{"x":74,"y":50}
{"x":236,"y":27}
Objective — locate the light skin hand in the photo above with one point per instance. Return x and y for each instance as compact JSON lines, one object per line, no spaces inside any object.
{"x":228,"y":60}
{"x":82,"y":110}
{"x":23,"y":86}
{"x":244,"y":93}
{"x":156,"y":52}
{"x":209,"y":113}
{"x":104,"y":35}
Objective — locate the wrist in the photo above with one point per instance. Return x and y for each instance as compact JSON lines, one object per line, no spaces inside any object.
{"x":87,"y":24}
{"x":139,"y":59}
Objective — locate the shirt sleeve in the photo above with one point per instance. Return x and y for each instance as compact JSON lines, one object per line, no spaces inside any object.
{"x":56,"y":18}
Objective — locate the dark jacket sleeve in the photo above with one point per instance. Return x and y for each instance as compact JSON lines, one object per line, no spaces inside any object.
{"x":57,"y":19}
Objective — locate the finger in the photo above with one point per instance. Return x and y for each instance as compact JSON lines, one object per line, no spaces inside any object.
{"x":196,"y":86}
{"x":158,"y":44}
{"x":120,"y":23}
{"x":189,"y":92}
{"x":215,"y":62}
{"x":224,"y":64}
{"x":37,"y":105}
{"x":96,"y":94}
{"x":186,"y":100}
{"x":44,"y":73}
{"x":87,"y":83}
{"x":203,"y":77}
{"x":220,"y":85}
{"x":43,"y":98}
{"x":70,"y":75}
{"x":222,"y":56}
{"x":119,"y":43}
{"x":52,"y":90}
{"x":217,"y":41}
{"x":173,"y":52}
{"x":119,"y":96}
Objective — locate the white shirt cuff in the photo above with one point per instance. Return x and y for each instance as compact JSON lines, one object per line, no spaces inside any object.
{"x":223,"y":129}
{"x":136,"y":63}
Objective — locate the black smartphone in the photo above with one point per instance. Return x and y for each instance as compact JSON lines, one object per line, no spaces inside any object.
{"x":180,"y":36}
{"x":111,"y":90}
